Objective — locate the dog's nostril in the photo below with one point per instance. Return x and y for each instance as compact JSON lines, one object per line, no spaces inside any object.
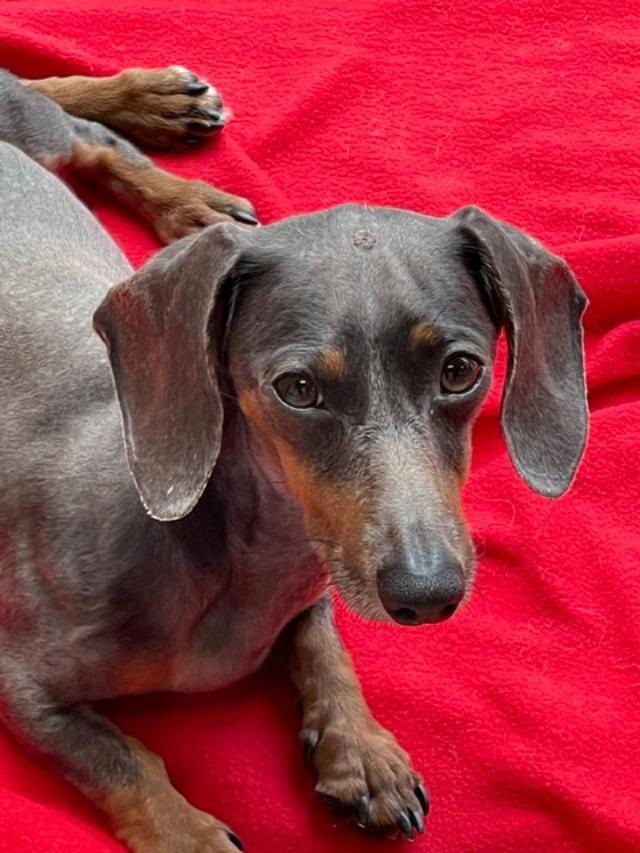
{"x":448,"y":611}
{"x":405,"y":616}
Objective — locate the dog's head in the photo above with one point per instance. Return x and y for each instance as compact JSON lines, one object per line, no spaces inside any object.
{"x":358,"y":344}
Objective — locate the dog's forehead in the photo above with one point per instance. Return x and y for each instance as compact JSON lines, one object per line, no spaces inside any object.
{"x":374,"y":268}
{"x":363,"y":255}
{"x":354,"y":234}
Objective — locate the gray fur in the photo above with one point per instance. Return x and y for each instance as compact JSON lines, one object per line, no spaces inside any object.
{"x":23,"y":115}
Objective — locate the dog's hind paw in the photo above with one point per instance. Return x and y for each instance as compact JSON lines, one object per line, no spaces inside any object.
{"x":165,"y":107}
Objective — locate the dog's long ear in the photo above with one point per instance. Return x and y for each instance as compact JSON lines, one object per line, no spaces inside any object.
{"x":157,"y":327}
{"x":535,"y":297}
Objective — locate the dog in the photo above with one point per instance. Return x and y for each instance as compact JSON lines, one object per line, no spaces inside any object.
{"x":263,"y":414}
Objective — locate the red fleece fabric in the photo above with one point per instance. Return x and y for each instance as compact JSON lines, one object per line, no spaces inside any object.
{"x":522,"y":712}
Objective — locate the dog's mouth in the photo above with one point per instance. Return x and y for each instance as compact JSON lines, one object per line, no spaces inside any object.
{"x":357,"y":592}
{"x":360,"y":595}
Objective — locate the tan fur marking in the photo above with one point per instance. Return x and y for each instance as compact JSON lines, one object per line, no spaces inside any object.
{"x":174,"y":206}
{"x":352,"y":751}
{"x":422,"y":334}
{"x":251,"y":409}
{"x":52,"y":162}
{"x":150,"y":816}
{"x":144,"y":674}
{"x":330,"y":510}
{"x":152,"y":107}
{"x":87,"y":97}
{"x":333,"y":363}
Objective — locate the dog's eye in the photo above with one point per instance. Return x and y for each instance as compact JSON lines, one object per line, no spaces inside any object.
{"x":297,"y":390}
{"x":460,"y":374}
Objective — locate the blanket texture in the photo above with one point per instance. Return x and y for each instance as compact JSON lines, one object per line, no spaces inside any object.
{"x":523,"y":712}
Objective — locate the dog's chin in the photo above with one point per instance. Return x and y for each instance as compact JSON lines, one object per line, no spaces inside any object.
{"x":362,"y":601}
{"x":360,"y":597}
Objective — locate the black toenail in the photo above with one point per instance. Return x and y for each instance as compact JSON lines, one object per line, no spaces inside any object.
{"x":200,"y":127}
{"x":233,"y":838}
{"x":422,"y":797}
{"x":362,"y":810}
{"x":405,"y":826}
{"x":243,"y":216}
{"x":416,"y":820}
{"x":196,"y":88}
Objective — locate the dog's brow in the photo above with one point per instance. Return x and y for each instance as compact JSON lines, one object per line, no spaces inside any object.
{"x":423,"y":334}
{"x":334,"y":363}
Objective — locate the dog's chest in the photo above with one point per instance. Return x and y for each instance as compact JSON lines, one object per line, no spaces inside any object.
{"x":237,"y":631}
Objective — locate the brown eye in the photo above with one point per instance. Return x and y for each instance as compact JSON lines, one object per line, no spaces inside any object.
{"x":297,"y":390}
{"x":460,"y":374}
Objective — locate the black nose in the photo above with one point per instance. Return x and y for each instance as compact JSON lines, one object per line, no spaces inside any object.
{"x":429,"y":591}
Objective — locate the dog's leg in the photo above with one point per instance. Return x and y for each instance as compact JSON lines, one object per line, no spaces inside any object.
{"x":362,"y":771}
{"x":174,"y":206}
{"x":125,"y":780}
{"x":152,"y":107}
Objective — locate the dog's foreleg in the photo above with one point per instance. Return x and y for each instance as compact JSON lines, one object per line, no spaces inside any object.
{"x":362,"y":771}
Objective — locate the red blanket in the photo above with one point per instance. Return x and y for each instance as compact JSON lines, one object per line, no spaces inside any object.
{"x":523,"y":712}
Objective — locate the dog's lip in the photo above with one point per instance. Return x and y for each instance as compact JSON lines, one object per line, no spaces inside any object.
{"x":360,"y":598}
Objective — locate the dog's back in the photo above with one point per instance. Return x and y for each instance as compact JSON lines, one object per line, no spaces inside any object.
{"x":60,"y":442}
{"x":56,"y":263}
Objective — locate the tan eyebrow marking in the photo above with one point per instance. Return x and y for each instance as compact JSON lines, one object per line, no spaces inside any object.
{"x":423,"y":334}
{"x":334,"y":363}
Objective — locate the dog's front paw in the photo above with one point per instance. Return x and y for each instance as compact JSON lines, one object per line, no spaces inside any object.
{"x":165,"y":106}
{"x":150,"y":816}
{"x":179,"y":830}
{"x":209,"y":841}
{"x":365,"y":775}
{"x":177,"y":207}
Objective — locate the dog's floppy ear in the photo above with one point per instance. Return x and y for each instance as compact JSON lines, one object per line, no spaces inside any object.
{"x":534,"y":295}
{"x":157,"y":328}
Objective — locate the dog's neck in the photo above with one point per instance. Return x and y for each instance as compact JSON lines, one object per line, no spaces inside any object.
{"x":246,"y":511}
